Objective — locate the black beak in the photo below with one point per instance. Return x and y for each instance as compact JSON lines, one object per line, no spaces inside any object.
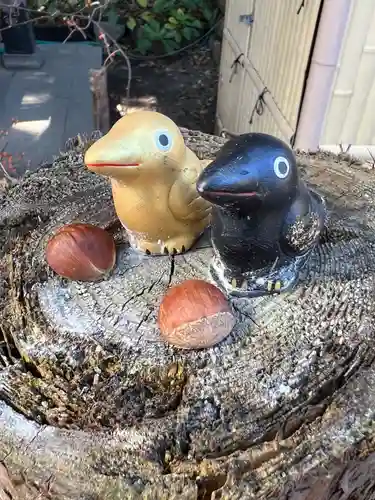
{"x":225,"y":184}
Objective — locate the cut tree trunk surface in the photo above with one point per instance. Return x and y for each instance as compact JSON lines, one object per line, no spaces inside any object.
{"x":95,"y":405}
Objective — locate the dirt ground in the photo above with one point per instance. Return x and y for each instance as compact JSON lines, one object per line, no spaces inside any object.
{"x":183,"y":87}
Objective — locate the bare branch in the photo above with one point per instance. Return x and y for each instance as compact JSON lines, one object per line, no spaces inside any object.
{"x":9,"y":178}
{"x":112,"y":47}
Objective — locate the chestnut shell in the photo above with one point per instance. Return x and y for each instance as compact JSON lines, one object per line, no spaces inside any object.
{"x":81,"y":252}
{"x":195,"y":314}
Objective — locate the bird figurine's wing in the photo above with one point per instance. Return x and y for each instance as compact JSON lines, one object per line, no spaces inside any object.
{"x":184,"y":200}
{"x":303,"y":224}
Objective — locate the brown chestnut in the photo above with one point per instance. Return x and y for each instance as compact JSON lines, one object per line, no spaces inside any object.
{"x":81,"y":252}
{"x":195,"y":314}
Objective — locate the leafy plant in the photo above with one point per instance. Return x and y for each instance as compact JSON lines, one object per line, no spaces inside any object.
{"x":166,"y":24}
{"x":170,"y":25}
{"x":111,"y":15}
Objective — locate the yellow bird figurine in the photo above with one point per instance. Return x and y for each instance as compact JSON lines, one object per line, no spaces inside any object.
{"x":153,"y":176}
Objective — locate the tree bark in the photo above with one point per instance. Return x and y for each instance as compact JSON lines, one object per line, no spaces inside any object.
{"x":95,"y":405}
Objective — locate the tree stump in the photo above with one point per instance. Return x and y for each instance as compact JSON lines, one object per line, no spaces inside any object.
{"x":96,"y":405}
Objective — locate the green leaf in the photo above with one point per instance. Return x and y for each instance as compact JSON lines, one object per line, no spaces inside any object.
{"x":112,"y":17}
{"x":154,"y":25}
{"x":177,"y":37}
{"x":144,"y":45}
{"x":146,"y":16}
{"x":170,"y":26}
{"x":149,"y":32}
{"x":131,"y":23}
{"x":159,"y":6}
{"x":172,"y":20}
{"x":207,"y":13}
{"x":188,"y":19}
{"x":188,"y":33}
{"x":180,"y":14}
{"x":142,"y":3}
{"x":196,"y":23}
{"x":169,"y":45}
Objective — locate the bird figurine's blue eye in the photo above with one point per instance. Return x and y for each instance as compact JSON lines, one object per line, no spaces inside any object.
{"x":163,"y":140}
{"x":281,"y":167}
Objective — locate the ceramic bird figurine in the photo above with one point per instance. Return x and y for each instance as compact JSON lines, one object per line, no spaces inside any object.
{"x":265,"y":221}
{"x":153,"y":176}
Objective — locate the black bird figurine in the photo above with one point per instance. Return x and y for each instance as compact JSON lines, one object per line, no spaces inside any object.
{"x":265,"y":221}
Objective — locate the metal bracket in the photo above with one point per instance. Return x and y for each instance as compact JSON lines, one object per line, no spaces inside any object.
{"x":246,"y":18}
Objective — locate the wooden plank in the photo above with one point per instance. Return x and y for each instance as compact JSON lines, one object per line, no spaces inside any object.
{"x":98,"y":87}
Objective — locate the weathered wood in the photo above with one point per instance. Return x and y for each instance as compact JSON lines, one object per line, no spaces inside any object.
{"x":215,"y":46}
{"x":90,"y":390}
{"x":100,"y":99}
